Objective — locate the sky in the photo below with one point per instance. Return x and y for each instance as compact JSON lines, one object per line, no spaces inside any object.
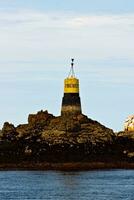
{"x":38,"y":40}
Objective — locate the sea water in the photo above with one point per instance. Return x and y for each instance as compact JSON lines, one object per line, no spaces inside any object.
{"x":58,"y":185}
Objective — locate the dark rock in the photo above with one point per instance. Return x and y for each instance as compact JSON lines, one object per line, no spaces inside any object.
{"x":8,"y":128}
{"x":50,"y":138}
{"x":76,"y":130}
{"x":8,"y":132}
{"x":22,"y":129}
{"x":42,"y":118}
{"x":126,"y":134}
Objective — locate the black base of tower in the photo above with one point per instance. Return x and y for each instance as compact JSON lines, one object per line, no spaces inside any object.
{"x":71,"y":99}
{"x":71,"y":104}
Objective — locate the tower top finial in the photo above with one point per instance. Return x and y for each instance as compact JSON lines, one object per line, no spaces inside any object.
{"x":71,"y":73}
{"x":72,"y":62}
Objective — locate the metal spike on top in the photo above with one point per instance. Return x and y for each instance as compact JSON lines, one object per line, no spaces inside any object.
{"x":71,"y":73}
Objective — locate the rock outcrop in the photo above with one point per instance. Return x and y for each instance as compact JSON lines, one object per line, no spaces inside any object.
{"x":129,"y":124}
{"x":125,"y":145}
{"x":46,"y":137}
{"x":42,"y":118}
{"x":56,"y":130}
{"x":8,"y":131}
{"x":76,"y":130}
{"x":64,"y":138}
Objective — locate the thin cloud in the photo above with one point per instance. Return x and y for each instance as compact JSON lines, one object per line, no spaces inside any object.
{"x":102,"y":20}
{"x":66,"y":20}
{"x":30,"y":35}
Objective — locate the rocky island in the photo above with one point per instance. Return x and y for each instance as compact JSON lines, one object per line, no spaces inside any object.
{"x":71,"y":141}
{"x":76,"y":142}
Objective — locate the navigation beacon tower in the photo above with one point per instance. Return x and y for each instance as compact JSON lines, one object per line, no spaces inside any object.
{"x":71,"y":103}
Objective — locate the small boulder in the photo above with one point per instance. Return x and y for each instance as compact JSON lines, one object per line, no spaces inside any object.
{"x":8,"y":131}
{"x":129,"y":124}
{"x":42,"y":118}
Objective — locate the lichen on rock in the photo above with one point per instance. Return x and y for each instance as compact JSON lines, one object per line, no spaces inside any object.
{"x":129,"y":124}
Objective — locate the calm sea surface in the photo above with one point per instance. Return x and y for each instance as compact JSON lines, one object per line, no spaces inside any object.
{"x":89,"y":185}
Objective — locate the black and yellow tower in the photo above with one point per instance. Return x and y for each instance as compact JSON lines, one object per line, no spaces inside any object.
{"x":71,"y":103}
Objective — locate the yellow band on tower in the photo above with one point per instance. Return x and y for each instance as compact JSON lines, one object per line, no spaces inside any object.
{"x":71,"y":85}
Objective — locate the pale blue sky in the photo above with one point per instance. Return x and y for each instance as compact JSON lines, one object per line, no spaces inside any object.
{"x":37,"y":40}
{"x":74,"y":5}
